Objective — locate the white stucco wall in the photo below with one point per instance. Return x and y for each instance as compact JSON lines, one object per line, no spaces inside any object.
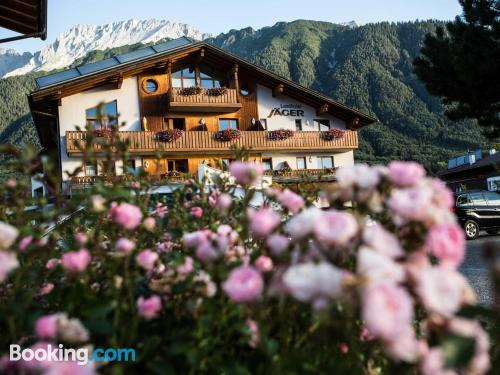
{"x":266,"y":103}
{"x":72,"y":114}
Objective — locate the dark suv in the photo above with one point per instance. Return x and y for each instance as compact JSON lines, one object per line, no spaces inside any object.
{"x":478,"y":210}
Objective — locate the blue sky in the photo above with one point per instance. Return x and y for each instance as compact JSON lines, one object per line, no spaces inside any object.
{"x":216,"y":16}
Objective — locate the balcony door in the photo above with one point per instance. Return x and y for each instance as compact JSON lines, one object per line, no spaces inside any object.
{"x":175,"y":123}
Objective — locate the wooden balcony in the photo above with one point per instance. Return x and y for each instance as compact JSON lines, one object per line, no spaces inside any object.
{"x":301,"y":175}
{"x":204,"y":142}
{"x":203,"y":102}
{"x":83,"y":181}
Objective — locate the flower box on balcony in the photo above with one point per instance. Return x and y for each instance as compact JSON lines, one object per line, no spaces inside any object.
{"x":227,"y":135}
{"x":280,"y":134}
{"x":169,"y":135}
{"x":333,"y":134}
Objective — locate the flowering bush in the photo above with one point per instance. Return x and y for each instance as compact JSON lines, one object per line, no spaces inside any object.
{"x":104,"y":132}
{"x":333,"y":134}
{"x":169,"y":135}
{"x":227,"y":135}
{"x":208,"y":282}
{"x":216,"y":91}
{"x":188,"y":91}
{"x":280,"y":134}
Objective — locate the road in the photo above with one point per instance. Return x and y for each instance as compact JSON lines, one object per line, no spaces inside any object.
{"x":475,"y":268}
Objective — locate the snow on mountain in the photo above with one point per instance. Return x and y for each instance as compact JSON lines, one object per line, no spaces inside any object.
{"x":11,"y":59}
{"x":81,"y":39}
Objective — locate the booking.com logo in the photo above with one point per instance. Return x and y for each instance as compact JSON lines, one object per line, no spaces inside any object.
{"x":81,"y":356}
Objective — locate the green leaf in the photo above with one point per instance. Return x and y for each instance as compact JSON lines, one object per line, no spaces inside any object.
{"x":457,"y":350}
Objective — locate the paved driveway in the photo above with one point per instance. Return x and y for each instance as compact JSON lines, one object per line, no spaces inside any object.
{"x":476,"y":269}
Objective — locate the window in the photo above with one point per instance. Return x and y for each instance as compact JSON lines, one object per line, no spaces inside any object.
{"x":38,"y":192}
{"x":174,"y":123}
{"x":325,"y":162}
{"x":301,"y":163}
{"x":298,"y":125}
{"x":322,"y":125}
{"x":151,"y":86}
{"x":107,"y":113}
{"x":228,"y":123}
{"x":91,"y":169}
{"x":478,"y":199}
{"x":493,"y":199}
{"x":180,"y":165}
{"x":130,"y":166}
{"x":263,"y":123}
{"x":267,"y":164}
{"x":207,"y":82}
{"x":464,"y":200}
{"x":184,"y":78}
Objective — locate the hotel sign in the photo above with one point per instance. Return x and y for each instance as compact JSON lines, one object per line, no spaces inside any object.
{"x":292,"y":110}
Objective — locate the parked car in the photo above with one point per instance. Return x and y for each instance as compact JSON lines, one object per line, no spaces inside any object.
{"x":478,"y":210}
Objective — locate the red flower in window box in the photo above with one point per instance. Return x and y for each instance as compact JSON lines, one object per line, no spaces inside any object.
{"x":333,"y":134}
{"x":280,"y":134}
{"x":227,"y":135}
{"x":169,"y":135}
{"x":187,"y":91}
{"x":104,"y":132}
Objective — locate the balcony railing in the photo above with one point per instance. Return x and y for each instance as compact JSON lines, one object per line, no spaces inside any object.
{"x":82,"y":181}
{"x":196,"y":142}
{"x":297,"y":175}
{"x":227,"y":102}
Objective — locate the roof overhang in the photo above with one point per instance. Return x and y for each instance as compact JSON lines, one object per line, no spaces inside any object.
{"x":50,"y":95}
{"x":27,"y":17}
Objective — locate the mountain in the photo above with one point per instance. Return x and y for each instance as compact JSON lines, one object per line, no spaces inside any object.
{"x":368,"y":67}
{"x":80,"y":40}
{"x":11,"y":60}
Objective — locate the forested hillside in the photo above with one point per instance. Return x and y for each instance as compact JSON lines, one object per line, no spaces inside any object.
{"x":367,"y":67}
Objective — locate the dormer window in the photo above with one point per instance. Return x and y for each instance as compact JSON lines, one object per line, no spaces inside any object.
{"x":184,"y":78}
{"x":102,"y":116}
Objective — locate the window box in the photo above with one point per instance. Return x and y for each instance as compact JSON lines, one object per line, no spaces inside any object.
{"x":227,"y":135}
{"x":280,"y":134}
{"x":169,"y":135}
{"x":333,"y":134}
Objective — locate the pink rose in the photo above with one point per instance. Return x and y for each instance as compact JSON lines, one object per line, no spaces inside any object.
{"x":224,"y":202}
{"x":336,"y":228}
{"x":246,"y":173}
{"x":277,"y":243}
{"x":46,"y":327}
{"x":124,"y":245}
{"x":146,"y":259}
{"x":52,"y":263}
{"x":264,"y":264}
{"x":205,"y":251}
{"x":447,"y":243}
{"x":46,"y":289}
{"x":11,"y":183}
{"x":382,"y":241}
{"x":8,"y":263}
{"x":126,"y":215}
{"x":412,"y":203}
{"x":405,"y":173}
{"x":80,"y":238}
{"x":263,"y":221}
{"x":244,"y":284}
{"x":25,"y":242}
{"x":196,"y":212}
{"x":344,"y":348}
{"x":254,"y":333}
{"x":149,"y":224}
{"x":293,"y":202}
{"x":8,"y":235}
{"x":387,"y":311}
{"x":187,"y":267}
{"x":149,"y":307}
{"x":76,"y":261}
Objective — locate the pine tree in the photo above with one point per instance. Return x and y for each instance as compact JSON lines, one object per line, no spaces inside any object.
{"x":461,"y":64}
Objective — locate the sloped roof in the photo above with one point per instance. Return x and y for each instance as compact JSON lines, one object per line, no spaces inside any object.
{"x":487,"y":161}
{"x":27,"y":17}
{"x":112,"y":62}
{"x":52,"y":87}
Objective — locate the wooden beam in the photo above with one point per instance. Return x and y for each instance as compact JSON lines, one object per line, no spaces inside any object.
{"x":236,"y":81}
{"x":353,"y":123}
{"x":200,"y":56}
{"x":278,"y":90}
{"x":323,"y":109}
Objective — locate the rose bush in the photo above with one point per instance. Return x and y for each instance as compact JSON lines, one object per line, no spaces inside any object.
{"x":206,"y":283}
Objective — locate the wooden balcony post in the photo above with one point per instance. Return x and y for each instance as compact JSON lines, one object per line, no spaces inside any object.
{"x":236,"y":82}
